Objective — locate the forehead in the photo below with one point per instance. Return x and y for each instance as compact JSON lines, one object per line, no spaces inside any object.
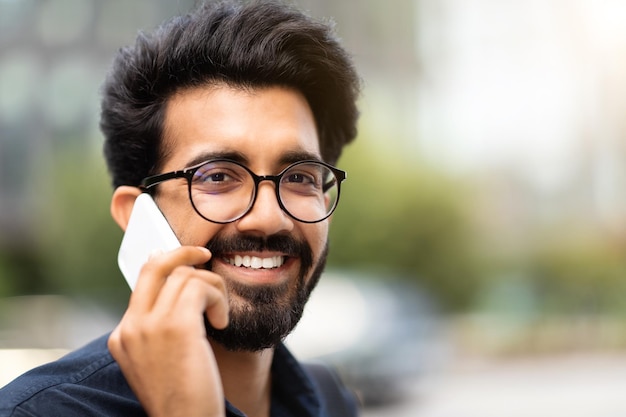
{"x":261,"y":127}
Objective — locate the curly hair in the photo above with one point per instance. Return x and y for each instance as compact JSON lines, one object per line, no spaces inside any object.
{"x":245,"y":45}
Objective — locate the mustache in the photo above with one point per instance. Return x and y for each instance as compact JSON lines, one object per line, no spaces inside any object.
{"x":290,"y":246}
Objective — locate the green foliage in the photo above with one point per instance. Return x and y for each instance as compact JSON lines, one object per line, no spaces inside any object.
{"x":400,"y":216}
{"x":78,"y":240}
{"x":396,"y":216}
{"x":585,"y":275}
{"x":21,"y":272}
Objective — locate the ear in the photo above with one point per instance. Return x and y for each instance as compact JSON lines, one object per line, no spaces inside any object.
{"x":122,"y":204}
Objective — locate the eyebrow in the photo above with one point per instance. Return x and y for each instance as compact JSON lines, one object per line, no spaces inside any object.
{"x":207,"y":156}
{"x":287,"y":158}
{"x":297,"y":156}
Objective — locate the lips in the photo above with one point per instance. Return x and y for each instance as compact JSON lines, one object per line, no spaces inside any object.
{"x":255,"y":262}
{"x":261,"y":256}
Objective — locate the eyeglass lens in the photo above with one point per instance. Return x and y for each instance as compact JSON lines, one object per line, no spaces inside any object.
{"x":223,"y":191}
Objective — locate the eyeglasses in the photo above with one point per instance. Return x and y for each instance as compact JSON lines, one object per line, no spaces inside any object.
{"x":223,"y":191}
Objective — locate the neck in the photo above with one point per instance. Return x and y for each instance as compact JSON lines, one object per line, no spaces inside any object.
{"x":246,"y":378}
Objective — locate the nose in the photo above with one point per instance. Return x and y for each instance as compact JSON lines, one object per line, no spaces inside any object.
{"x":266,"y":217}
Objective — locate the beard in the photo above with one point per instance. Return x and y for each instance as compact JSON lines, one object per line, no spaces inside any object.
{"x":268,"y":313}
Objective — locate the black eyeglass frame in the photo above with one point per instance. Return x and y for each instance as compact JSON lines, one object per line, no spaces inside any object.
{"x":188,"y":173}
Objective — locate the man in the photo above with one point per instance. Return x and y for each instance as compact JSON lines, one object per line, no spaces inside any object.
{"x":230,"y":118}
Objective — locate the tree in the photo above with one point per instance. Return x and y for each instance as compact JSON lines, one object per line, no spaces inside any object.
{"x":401,"y":217}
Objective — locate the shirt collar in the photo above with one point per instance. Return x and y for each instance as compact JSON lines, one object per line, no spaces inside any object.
{"x":293,"y":392}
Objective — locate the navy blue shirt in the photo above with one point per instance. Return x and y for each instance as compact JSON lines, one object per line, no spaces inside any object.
{"x":88,"y":382}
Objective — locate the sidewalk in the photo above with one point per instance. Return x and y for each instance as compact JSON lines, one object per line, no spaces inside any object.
{"x":562,"y":386}
{"x":14,"y":362}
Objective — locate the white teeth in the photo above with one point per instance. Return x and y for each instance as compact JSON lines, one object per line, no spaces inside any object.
{"x":255,"y":262}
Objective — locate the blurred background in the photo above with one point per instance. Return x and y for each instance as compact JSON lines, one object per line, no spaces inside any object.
{"x":477,"y":257}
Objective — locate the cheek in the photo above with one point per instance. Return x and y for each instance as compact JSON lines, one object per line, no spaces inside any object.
{"x":195,"y":231}
{"x":188,"y":226}
{"x":317,"y":237}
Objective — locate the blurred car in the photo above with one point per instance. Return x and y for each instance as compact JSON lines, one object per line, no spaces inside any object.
{"x":378,"y":333}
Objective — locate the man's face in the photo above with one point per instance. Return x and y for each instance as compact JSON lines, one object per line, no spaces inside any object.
{"x":265,"y":129}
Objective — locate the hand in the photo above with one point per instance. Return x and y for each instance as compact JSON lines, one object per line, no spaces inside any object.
{"x":161,"y":343}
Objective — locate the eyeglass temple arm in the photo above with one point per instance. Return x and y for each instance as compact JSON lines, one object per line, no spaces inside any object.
{"x":329,"y":184}
{"x":156,"y":179}
{"x":339,"y":177}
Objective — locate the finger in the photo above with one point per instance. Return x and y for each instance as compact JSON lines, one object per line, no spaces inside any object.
{"x":198,"y":297}
{"x":196,"y":291}
{"x":116,"y":345}
{"x":218,"y":312}
{"x":113,"y":343}
{"x":154,"y":273}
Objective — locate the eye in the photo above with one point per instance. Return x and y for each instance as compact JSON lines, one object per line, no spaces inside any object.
{"x":299,"y":178}
{"x":218,"y":177}
{"x":304,"y":179}
{"x":213,"y":177}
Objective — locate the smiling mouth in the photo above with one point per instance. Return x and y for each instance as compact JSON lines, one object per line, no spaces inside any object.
{"x":255,"y":262}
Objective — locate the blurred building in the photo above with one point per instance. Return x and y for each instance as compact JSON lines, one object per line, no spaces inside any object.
{"x":530,"y":95}
{"x":54,"y":55}
{"x":53,"y":58}
{"x":523,"y":98}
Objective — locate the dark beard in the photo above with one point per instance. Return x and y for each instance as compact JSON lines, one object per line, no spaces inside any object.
{"x":271,"y":311}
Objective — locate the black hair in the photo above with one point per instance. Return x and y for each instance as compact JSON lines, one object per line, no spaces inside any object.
{"x":246,"y":45}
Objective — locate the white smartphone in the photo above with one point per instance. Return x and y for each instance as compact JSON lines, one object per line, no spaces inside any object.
{"x":147,"y":232}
